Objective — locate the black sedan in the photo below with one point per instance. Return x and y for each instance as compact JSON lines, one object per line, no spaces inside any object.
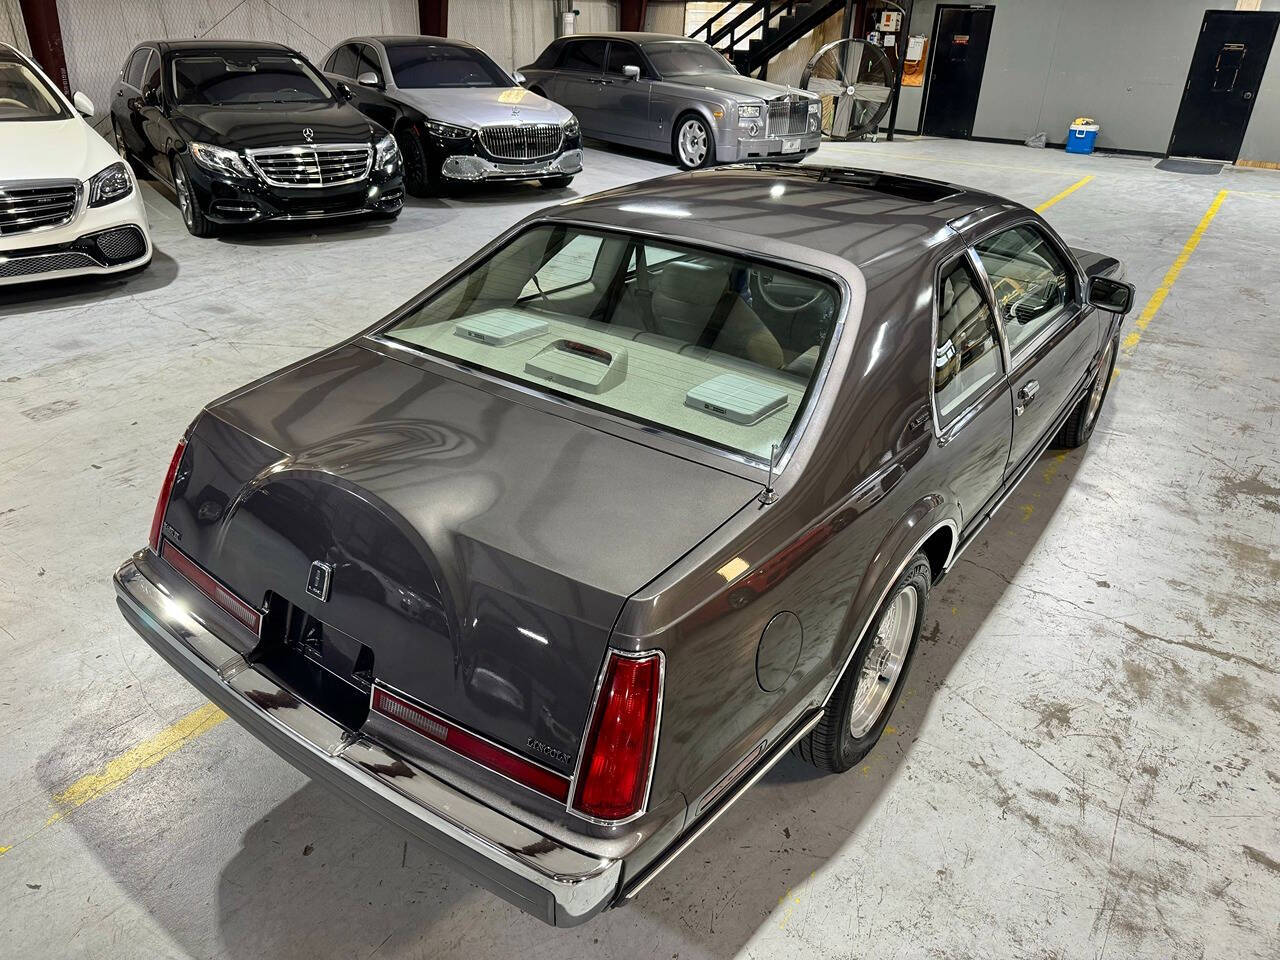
{"x":560,"y":557}
{"x":245,"y":132}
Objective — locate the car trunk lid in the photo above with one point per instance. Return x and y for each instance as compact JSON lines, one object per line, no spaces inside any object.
{"x":475,"y":551}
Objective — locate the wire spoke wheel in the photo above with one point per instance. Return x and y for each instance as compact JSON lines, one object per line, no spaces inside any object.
{"x":855,"y":81}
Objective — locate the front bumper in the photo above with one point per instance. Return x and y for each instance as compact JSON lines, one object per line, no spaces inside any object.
{"x":229,"y":201}
{"x":730,"y":150}
{"x":464,"y":166}
{"x":74,"y":249}
{"x":554,"y":882}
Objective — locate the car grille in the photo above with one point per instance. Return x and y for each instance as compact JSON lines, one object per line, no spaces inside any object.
{"x":787,"y":117}
{"x":48,"y":263}
{"x":312,"y":166}
{"x":31,"y":206}
{"x":524,"y":141}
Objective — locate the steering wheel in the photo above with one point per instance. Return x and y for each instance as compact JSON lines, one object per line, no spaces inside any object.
{"x":785,"y":296}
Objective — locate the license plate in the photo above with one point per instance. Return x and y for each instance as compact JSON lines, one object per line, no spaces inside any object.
{"x":791,"y":146}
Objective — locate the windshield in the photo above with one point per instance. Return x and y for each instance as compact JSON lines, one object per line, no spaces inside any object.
{"x":428,"y":65}
{"x":247,"y":78}
{"x":679,"y":58}
{"x":711,"y":346}
{"x":25,"y":96}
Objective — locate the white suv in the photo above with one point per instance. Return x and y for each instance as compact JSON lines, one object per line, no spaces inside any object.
{"x":68,"y":204}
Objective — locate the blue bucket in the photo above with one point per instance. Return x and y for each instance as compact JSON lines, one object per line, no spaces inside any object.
{"x":1081,"y":136}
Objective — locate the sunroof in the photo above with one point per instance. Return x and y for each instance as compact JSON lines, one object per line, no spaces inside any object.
{"x":909,"y":188}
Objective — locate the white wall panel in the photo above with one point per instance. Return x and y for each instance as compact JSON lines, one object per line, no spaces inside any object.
{"x":12,"y":30}
{"x":514,"y":32}
{"x":97,"y":34}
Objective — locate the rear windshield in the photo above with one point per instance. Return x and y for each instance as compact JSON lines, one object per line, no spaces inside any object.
{"x":708,"y":345}
{"x":247,"y":78}
{"x":429,"y":65}
{"x":682,"y":58}
{"x":25,"y":96}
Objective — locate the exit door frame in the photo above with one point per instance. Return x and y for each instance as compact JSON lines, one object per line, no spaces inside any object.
{"x":933,"y":49}
{"x":1186,"y":84}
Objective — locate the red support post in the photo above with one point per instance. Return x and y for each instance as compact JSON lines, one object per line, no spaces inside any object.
{"x":631,"y":14}
{"x":433,"y":17}
{"x":44,"y":33}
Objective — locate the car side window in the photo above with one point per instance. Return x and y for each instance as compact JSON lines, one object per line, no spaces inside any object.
{"x":584,"y":56}
{"x":133,"y":70}
{"x":151,"y":75}
{"x":367,"y":62}
{"x":1031,"y":282}
{"x":621,"y":55}
{"x":343,"y":61}
{"x":967,"y":353}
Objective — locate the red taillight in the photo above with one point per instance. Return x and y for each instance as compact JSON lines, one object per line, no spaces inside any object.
{"x":157,"y":520}
{"x":469,"y":745}
{"x":210,"y":587}
{"x":618,"y":753}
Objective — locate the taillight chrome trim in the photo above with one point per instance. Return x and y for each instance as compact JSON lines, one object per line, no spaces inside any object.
{"x":156,"y":535}
{"x":448,"y":725}
{"x":213,"y":589}
{"x":591,"y":717}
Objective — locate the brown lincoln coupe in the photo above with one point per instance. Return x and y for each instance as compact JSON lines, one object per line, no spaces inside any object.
{"x":549,"y":566}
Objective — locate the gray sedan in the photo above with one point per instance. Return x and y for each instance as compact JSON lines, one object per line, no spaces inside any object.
{"x":676,"y":95}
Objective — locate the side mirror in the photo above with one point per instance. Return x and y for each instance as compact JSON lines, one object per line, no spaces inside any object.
{"x":83,"y":105}
{"x":518,"y":77}
{"x":1113,"y":295}
{"x":369,"y":79}
{"x":631,"y":71}
{"x":344,"y":91}
{"x":150,"y":97}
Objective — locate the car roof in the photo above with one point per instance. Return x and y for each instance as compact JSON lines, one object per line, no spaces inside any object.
{"x":215,"y":46}
{"x":408,"y":38}
{"x":637,"y":36}
{"x":858,"y":216}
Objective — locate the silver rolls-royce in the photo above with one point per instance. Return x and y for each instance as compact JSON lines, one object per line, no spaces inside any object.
{"x":676,"y":95}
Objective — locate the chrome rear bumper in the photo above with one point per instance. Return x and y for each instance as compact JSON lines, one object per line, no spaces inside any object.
{"x":542,"y":876}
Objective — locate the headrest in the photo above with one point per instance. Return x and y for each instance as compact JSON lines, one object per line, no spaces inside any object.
{"x":690,"y":282}
{"x":948,"y":297}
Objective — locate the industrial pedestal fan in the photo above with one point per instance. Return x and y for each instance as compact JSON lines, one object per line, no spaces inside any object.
{"x":855,"y":80}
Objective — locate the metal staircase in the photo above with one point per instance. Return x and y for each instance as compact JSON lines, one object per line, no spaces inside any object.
{"x":771,"y":25}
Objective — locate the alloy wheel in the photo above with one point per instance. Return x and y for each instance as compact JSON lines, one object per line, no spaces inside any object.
{"x":692,"y":143}
{"x":1099,"y":386}
{"x":183,"y":190}
{"x":885,"y":660}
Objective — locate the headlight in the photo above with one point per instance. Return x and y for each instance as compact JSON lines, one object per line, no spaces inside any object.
{"x":749,"y":112}
{"x":219,"y":160}
{"x":572,"y":127}
{"x":448,"y":131}
{"x":109,"y":185}
{"x":386,"y":152}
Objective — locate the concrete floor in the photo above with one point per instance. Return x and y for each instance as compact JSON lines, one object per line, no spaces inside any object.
{"x":1085,"y":761}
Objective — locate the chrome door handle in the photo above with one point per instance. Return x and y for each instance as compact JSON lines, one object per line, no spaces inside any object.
{"x":1026,"y":395}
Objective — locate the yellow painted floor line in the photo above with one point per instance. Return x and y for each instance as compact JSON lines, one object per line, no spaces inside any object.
{"x":1153,"y":305}
{"x":149,"y":752}
{"x":1065,"y":193}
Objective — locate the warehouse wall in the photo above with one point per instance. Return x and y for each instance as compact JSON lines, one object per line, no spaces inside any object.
{"x":514,"y":32}
{"x":1124,"y":64}
{"x":97,"y":34}
{"x":12,"y":30}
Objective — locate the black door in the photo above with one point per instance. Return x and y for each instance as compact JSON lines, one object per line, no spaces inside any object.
{"x":1222,"y":84}
{"x":957,"y":57}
